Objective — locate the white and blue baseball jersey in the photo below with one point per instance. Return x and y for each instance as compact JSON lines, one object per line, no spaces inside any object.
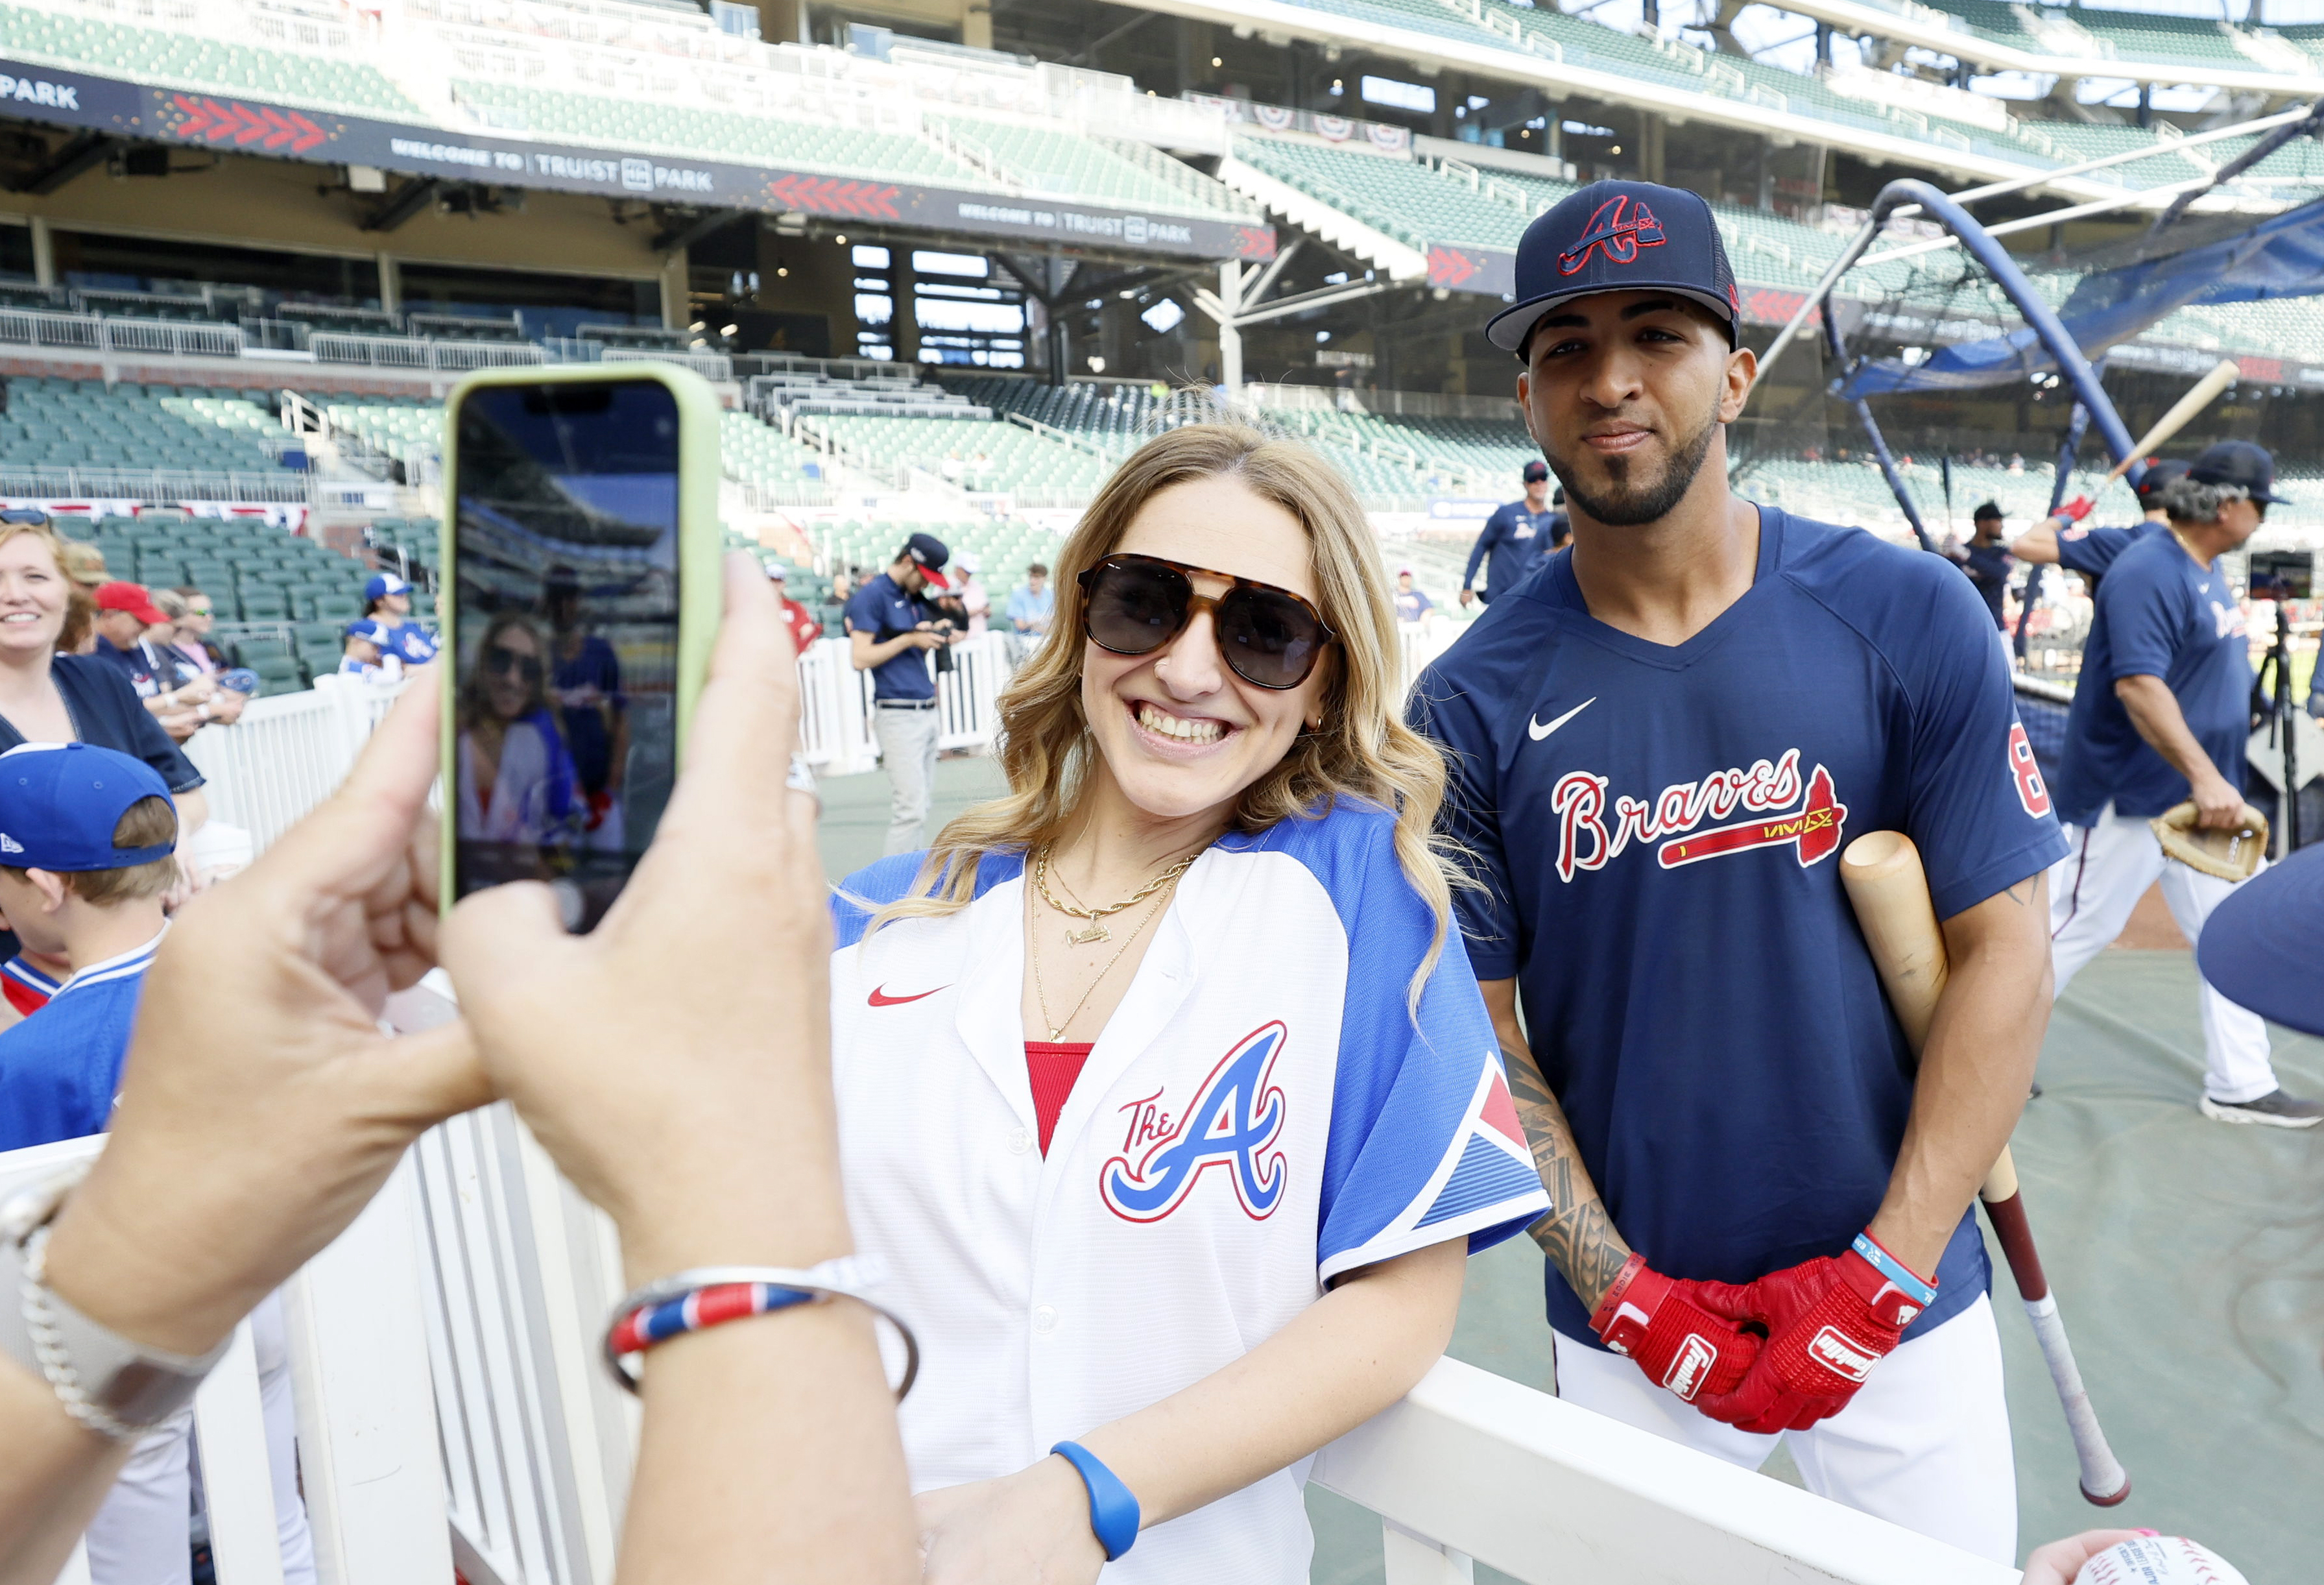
{"x":1657,"y":830}
{"x":60,"y":1068}
{"x":1262,"y":1114}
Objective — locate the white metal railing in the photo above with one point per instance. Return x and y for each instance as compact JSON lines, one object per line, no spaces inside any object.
{"x":711,"y":366}
{"x":402,"y":352}
{"x":170,"y":337}
{"x":156,"y":485}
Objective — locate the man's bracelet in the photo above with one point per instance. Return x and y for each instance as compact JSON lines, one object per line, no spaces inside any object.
{"x":107,"y":1383}
{"x":711,"y":1295}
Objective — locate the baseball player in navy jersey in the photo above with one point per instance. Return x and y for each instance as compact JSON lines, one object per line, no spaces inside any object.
{"x":1986,"y":560}
{"x":1516,"y":537}
{"x":1659,"y":745}
{"x":2062,"y":540}
{"x":2162,"y":712}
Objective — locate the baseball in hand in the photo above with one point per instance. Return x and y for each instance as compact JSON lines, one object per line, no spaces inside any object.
{"x":2159,"y":1560}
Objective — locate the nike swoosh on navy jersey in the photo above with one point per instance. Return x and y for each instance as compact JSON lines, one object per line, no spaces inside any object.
{"x":1539,"y":729}
{"x":881,"y":998}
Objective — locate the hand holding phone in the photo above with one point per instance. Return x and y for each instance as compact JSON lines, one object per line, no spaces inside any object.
{"x":580,"y":555}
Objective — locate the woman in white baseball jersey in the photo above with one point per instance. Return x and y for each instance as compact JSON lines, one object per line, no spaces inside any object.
{"x":1166,"y":1096}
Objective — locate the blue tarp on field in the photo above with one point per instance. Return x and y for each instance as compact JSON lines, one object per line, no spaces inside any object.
{"x":2281,"y":257}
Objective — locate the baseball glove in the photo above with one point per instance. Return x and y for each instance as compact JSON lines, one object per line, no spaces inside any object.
{"x":2231,"y":853}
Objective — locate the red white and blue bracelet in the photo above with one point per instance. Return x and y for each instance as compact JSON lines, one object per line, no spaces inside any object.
{"x":708,"y":1297}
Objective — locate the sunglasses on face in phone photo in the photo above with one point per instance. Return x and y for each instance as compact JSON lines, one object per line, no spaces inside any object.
{"x":1269,"y":636}
{"x":500,"y":661}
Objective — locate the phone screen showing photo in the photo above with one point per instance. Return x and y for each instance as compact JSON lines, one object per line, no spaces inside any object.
{"x":563,"y":635}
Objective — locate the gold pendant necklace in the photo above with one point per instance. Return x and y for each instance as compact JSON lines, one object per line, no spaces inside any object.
{"x":1041,"y":993}
{"x":1096,"y":930}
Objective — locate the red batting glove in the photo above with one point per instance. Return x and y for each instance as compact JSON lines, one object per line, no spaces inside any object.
{"x":1828,"y":1321}
{"x":2073,"y":511}
{"x":1680,"y":1345}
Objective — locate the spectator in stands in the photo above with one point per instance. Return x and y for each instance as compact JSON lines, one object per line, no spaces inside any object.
{"x":48,"y":696}
{"x":1516,"y":536}
{"x":804,"y":628}
{"x":1031,"y":604}
{"x":842,"y":586}
{"x":975,"y":601}
{"x":195,"y":645}
{"x":387,"y":600}
{"x":198,"y":695}
{"x":1411,"y":602}
{"x":369,"y":652}
{"x":590,"y":707}
{"x":125,"y":612}
{"x":888,"y":628}
{"x":84,"y":564}
{"x":665,"y":1073}
{"x":516,"y":776}
{"x":1197,"y":1331}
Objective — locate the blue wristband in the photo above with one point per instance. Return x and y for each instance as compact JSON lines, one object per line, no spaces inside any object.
{"x":1114,"y":1511}
{"x":1923,"y":1293}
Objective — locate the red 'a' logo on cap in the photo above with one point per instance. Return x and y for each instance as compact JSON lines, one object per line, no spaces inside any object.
{"x":1621,"y":226}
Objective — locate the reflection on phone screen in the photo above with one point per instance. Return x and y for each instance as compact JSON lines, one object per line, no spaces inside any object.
{"x":565,"y":635}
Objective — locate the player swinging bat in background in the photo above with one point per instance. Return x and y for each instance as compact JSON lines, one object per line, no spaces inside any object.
{"x":1659,"y":747}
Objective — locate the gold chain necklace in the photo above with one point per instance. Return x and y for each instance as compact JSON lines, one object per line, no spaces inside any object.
{"x":1041,"y":993}
{"x":1096,"y":916}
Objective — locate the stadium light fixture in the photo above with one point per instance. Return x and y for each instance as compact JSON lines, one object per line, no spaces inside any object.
{"x":1215,"y":62}
{"x":728,"y":330}
{"x":841,"y":240}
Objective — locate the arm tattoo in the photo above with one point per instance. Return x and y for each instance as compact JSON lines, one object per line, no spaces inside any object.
{"x":1577,"y":1234}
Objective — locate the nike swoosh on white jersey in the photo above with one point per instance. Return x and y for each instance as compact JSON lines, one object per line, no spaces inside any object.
{"x":1539,"y":729}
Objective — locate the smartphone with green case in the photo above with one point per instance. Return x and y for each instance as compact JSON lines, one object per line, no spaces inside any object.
{"x":579,"y":600}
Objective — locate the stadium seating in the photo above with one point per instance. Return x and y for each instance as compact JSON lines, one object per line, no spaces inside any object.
{"x":1054,"y":163}
{"x":724,"y":135}
{"x":2146,"y":35}
{"x":757,"y":453}
{"x":54,"y":423}
{"x":982,"y":456}
{"x":194,"y":61}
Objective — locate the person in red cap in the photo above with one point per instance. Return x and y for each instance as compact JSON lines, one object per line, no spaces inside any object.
{"x":804,"y":629}
{"x":125,"y":613}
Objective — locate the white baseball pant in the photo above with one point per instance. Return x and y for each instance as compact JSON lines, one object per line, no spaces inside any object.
{"x":2108,"y":868}
{"x":1924,"y":1444}
{"x":141,"y":1535}
{"x":907,"y":753}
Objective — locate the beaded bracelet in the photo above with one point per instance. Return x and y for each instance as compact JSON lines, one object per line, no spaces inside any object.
{"x":710,"y":1295}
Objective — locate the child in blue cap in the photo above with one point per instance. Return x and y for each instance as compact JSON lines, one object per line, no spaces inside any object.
{"x":371,"y":653}
{"x":88,"y":845}
{"x":87,"y":848}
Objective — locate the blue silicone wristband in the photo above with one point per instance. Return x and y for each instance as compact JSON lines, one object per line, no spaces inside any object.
{"x":1907,"y":1281}
{"x":1114,"y":1511}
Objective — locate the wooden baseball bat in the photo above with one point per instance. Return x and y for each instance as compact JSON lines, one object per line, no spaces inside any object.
{"x":1890,"y":894}
{"x":2206,"y":390}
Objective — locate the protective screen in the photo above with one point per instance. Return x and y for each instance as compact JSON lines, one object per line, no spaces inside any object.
{"x":565,"y":634}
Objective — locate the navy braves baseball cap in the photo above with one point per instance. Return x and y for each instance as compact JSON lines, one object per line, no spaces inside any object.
{"x":59,"y":802}
{"x":1985,"y":510}
{"x":1535,"y":472}
{"x":2160,"y":471}
{"x":1619,"y":237}
{"x":383,"y":584}
{"x":2237,"y":462}
{"x":929,"y":554}
{"x":2257,"y":947}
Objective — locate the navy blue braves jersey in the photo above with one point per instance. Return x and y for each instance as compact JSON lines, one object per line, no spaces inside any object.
{"x":2159,"y":615}
{"x":1670,"y":817}
{"x":1511,"y":546}
{"x":1988,"y":567}
{"x":2091,"y":551}
{"x":882,"y":610}
{"x":60,"y":1068}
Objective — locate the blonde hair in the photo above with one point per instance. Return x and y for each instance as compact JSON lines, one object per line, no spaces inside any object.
{"x":1363,"y":752}
{"x":80,"y":606}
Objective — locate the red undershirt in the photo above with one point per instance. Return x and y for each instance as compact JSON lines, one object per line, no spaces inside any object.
{"x":1053,"y":1066}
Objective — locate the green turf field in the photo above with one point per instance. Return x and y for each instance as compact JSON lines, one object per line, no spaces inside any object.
{"x":2188,"y":1258}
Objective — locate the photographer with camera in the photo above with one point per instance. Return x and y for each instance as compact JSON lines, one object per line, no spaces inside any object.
{"x":888,"y":624}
